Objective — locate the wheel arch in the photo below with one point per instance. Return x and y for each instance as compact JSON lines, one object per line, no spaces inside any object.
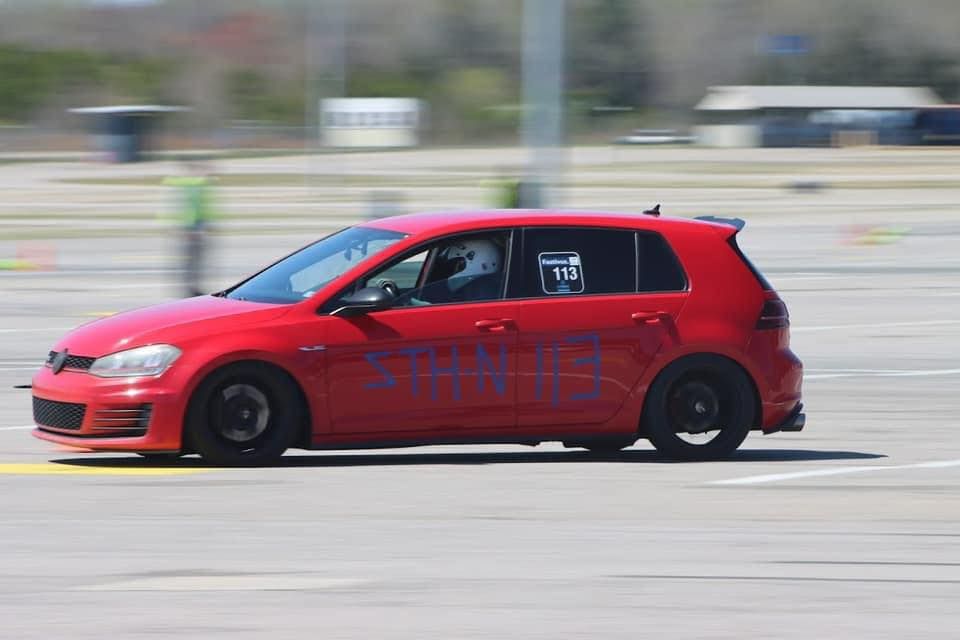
{"x":705,"y":355}
{"x":305,"y":429}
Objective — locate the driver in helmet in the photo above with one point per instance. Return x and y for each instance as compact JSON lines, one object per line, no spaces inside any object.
{"x":473,"y":268}
{"x":477,"y":265}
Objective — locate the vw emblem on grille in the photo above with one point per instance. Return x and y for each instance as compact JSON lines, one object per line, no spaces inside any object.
{"x":59,"y":361}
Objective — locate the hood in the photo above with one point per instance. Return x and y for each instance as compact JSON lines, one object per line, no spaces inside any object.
{"x":169,"y":323}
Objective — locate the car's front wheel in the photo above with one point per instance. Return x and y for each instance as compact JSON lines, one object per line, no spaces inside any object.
{"x":245,"y":414}
{"x":699,"y":408}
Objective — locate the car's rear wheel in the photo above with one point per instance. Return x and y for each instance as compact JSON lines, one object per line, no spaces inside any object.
{"x":699,"y":408}
{"x":246,"y":414}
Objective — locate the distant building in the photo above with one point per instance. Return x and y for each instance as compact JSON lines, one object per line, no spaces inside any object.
{"x":938,"y":125}
{"x":370,"y":122}
{"x":122,"y":132}
{"x":783,"y":116}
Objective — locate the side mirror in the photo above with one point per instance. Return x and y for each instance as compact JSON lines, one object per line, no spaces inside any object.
{"x":366,"y":300}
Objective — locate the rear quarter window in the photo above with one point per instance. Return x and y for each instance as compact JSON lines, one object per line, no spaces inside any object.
{"x":658,"y":268}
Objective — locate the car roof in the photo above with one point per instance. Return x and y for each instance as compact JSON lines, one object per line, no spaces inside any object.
{"x":440,"y":222}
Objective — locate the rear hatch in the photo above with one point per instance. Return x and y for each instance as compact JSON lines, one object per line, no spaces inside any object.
{"x":773,"y":314}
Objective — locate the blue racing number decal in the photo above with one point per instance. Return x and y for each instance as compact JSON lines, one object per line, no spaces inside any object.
{"x":554,"y":350}
{"x":492,"y":369}
{"x":488,"y":368}
{"x":388,"y":380}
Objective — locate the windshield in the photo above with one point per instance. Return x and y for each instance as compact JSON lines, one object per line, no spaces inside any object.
{"x":302,"y":274}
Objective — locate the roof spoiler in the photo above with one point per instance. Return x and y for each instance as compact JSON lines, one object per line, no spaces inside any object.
{"x":736,"y":223}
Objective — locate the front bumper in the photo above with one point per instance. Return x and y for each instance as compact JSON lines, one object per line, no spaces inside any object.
{"x":129,"y":414}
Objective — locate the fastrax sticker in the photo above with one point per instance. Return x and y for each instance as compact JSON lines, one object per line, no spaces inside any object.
{"x":561,"y":272}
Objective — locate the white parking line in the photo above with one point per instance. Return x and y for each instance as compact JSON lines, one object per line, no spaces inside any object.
{"x":829,"y":374}
{"x":128,"y":285}
{"x":851,"y":370}
{"x":777,"y":477}
{"x":85,"y":272}
{"x":799,"y":278}
{"x":36,"y":329}
{"x":873,"y":325}
{"x":812,"y":274}
{"x":23,"y":428}
{"x":228,"y":583}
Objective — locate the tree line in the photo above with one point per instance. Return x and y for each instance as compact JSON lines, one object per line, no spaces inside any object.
{"x":265,"y":61}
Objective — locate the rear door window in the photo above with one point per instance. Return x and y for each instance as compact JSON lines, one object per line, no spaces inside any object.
{"x":658,"y":266}
{"x":571,"y":261}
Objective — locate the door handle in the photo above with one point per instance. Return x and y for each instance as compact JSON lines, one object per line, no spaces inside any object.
{"x":497,"y":324}
{"x":649,"y":317}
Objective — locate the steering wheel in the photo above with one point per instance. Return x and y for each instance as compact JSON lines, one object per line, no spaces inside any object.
{"x":389,"y":286}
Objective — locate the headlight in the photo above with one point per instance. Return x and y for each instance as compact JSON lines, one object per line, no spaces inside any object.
{"x":142,"y":361}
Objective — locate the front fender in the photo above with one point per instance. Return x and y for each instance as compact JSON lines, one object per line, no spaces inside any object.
{"x":305,"y":368}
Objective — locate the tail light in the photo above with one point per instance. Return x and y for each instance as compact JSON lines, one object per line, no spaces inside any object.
{"x":774,"y":315}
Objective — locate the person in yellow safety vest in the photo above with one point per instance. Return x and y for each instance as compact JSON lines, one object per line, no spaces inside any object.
{"x":515,"y":193}
{"x":195,"y":214}
{"x":508,"y":193}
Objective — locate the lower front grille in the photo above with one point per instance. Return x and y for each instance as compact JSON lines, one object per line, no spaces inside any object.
{"x":59,"y":415}
{"x":123,"y":421}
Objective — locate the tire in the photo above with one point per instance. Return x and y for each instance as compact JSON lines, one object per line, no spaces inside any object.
{"x":699,"y":396}
{"x":245,"y":414}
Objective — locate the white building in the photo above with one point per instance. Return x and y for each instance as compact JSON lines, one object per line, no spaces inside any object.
{"x":370,"y":122}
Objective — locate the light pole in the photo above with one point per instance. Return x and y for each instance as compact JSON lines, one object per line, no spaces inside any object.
{"x":543,"y":66}
{"x":325,"y":38}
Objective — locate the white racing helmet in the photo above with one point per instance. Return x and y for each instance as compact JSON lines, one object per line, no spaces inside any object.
{"x":474,"y":258}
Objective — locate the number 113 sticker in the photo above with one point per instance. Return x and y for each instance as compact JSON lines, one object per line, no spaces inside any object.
{"x":561,"y":272}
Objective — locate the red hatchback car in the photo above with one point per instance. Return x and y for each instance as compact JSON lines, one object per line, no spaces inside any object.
{"x":486,"y":327}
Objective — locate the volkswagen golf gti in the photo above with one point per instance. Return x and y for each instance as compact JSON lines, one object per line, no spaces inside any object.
{"x":591,"y":329}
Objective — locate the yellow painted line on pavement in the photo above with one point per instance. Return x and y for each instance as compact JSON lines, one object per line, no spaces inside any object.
{"x":52,"y":469}
{"x":99,"y":314}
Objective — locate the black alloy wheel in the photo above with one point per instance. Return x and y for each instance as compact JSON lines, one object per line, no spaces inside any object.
{"x":246,"y":414}
{"x":699,"y":408}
